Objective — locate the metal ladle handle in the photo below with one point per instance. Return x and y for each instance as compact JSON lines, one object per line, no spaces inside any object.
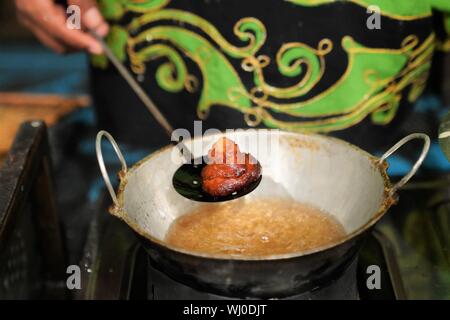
{"x":416,"y":166}
{"x":101,"y":162}
{"x":143,"y":96}
{"x":148,"y":103}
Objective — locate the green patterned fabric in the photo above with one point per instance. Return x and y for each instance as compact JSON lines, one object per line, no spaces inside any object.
{"x":287,"y":84}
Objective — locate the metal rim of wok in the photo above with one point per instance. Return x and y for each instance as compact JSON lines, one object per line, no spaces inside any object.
{"x":390,"y":195}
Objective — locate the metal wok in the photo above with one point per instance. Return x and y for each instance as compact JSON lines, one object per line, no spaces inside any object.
{"x":329,"y":173}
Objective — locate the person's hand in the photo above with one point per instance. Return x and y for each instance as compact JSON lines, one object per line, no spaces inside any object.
{"x":47,"y":21}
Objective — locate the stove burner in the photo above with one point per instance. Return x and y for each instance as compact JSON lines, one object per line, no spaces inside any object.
{"x":161,"y":287}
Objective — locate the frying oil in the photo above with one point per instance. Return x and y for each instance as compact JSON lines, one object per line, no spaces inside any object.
{"x":254,"y":227}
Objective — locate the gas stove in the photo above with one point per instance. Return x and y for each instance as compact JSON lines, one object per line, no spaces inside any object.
{"x":411,"y":246}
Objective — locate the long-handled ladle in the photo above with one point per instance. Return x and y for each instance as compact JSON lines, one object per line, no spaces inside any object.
{"x":187,"y":180}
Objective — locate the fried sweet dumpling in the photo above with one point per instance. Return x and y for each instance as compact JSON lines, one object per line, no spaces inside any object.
{"x":229,"y":170}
